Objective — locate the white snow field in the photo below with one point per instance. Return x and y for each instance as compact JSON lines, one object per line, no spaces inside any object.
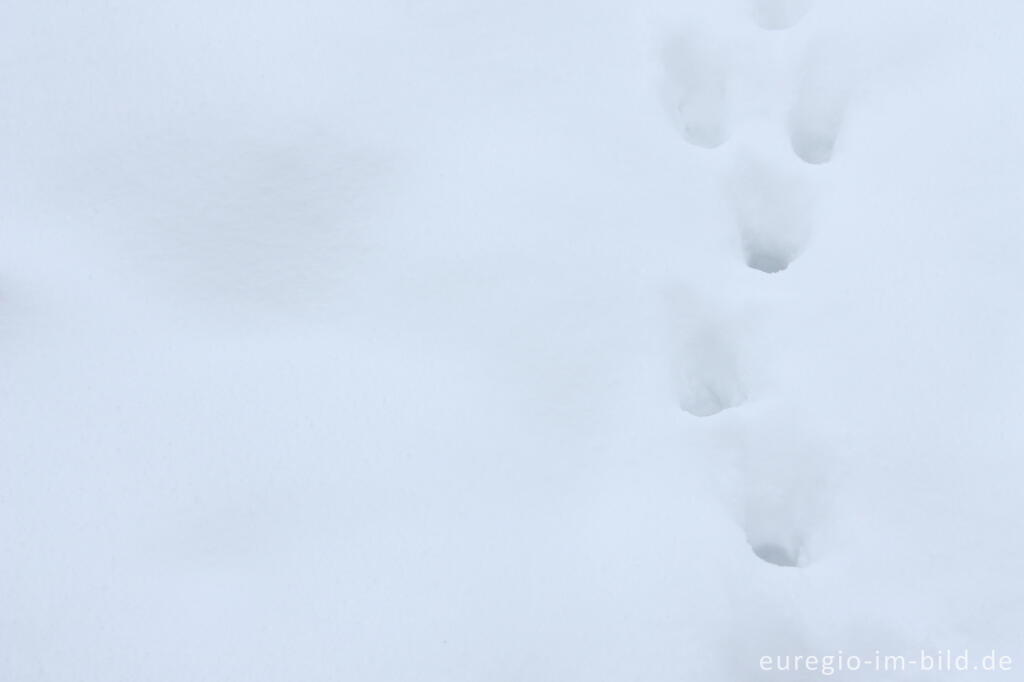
{"x":468,"y":341}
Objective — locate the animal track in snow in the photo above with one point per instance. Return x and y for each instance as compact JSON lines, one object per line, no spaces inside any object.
{"x":814,"y":125}
{"x":773,"y":525}
{"x":776,"y":15}
{"x":781,"y":475}
{"x":772,"y":215}
{"x":711,"y":383}
{"x":819,"y":108}
{"x":778,"y":554}
{"x":697,"y":92}
{"x":706,"y":359}
{"x":784,"y":490}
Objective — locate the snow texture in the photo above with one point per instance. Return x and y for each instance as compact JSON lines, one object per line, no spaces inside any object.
{"x":465,"y":341}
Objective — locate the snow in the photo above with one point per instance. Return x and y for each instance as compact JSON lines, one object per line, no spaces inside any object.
{"x":497,"y":341}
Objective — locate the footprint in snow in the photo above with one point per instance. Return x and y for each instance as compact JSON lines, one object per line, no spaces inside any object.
{"x":706,"y":358}
{"x":818,"y":111}
{"x":784,"y":488}
{"x":697,"y":92}
{"x":772,"y":215}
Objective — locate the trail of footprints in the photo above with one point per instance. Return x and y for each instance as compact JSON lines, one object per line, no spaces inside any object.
{"x":781,"y":472}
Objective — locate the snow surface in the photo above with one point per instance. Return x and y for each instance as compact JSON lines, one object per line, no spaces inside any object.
{"x":453,"y":340}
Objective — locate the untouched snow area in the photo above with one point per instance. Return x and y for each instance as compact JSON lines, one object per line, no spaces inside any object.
{"x":469,"y":341}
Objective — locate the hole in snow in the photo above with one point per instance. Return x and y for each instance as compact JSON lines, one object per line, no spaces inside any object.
{"x":814,"y":143}
{"x":819,"y":108}
{"x":779,"y":555}
{"x":697,"y":88}
{"x":772,"y":215}
{"x":769,"y":260}
{"x":705,"y":401}
{"x":708,"y":378}
{"x":702,"y":126}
